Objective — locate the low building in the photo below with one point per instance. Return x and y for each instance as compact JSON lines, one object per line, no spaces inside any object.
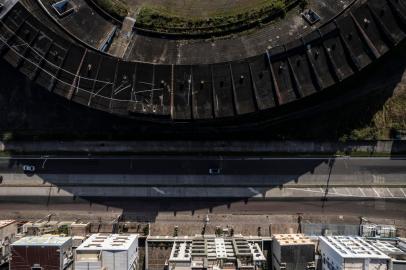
{"x":79,"y":229}
{"x":378,"y":231}
{"x":108,"y":251}
{"x":41,"y":253}
{"x":8,"y":232}
{"x":211,"y":252}
{"x":77,"y":241}
{"x":293,"y":252}
{"x":351,"y":252}
{"x":40,"y":228}
{"x":394,"y":250}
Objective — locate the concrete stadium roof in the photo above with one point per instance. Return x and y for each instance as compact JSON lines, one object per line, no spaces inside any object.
{"x":208,"y":93}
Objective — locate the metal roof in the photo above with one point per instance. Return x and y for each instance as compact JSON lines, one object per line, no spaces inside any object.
{"x":44,"y":240}
{"x":353,"y":247}
{"x":102,"y":241}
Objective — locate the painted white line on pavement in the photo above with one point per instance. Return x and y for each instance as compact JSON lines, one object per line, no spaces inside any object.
{"x":390,"y":192}
{"x":344,"y":194}
{"x":362,"y":191}
{"x":307,"y":190}
{"x":254,"y":190}
{"x":160,"y":191}
{"x":377,"y":194}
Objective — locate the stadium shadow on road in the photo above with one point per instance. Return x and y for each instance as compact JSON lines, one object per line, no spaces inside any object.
{"x":146,"y":193}
{"x":30,"y":113}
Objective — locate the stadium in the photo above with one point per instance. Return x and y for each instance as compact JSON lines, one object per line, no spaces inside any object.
{"x":262,"y":65}
{"x":181,"y":118}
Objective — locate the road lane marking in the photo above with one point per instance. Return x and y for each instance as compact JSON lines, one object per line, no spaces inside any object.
{"x":160,"y":191}
{"x":390,"y":192}
{"x":307,"y":190}
{"x":362,"y":191}
{"x":340,"y":193}
{"x":43,"y":163}
{"x":403,"y":192}
{"x":377,"y":194}
{"x":253,"y":190}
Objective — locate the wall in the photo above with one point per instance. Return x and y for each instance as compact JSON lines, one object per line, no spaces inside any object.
{"x":24,"y":257}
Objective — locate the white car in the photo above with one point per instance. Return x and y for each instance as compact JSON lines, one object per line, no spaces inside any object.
{"x":28,"y":168}
{"x":214,"y":171}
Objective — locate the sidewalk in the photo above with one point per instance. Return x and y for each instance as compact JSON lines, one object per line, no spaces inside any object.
{"x":367,"y":148}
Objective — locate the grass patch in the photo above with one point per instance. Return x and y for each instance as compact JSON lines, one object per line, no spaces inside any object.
{"x":161,"y":20}
{"x":387,"y":122}
{"x":116,"y":8}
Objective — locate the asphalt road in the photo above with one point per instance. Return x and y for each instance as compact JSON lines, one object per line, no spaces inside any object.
{"x":196,"y":165}
{"x":56,"y":175}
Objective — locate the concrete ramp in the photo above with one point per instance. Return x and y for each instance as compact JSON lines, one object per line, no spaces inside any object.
{"x":123,"y":38}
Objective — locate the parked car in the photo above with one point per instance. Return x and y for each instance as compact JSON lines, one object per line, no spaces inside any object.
{"x":214,"y":171}
{"x":29,"y":168}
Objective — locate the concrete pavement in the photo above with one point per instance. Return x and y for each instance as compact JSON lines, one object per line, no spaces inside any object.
{"x":144,"y":186}
{"x":283,"y":178}
{"x":195,"y":146}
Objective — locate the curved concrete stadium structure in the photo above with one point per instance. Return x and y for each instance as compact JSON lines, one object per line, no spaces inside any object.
{"x":300,"y":69}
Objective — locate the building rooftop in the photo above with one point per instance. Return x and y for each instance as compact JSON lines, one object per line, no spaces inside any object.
{"x":386,"y":247}
{"x":44,"y":240}
{"x":108,"y":242}
{"x":257,"y":252}
{"x":212,"y":248}
{"x":190,"y":238}
{"x":44,"y":223}
{"x":5,"y":223}
{"x":292,"y":239}
{"x":181,"y":252}
{"x":375,"y":230}
{"x":74,"y":224}
{"x":353,"y":247}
